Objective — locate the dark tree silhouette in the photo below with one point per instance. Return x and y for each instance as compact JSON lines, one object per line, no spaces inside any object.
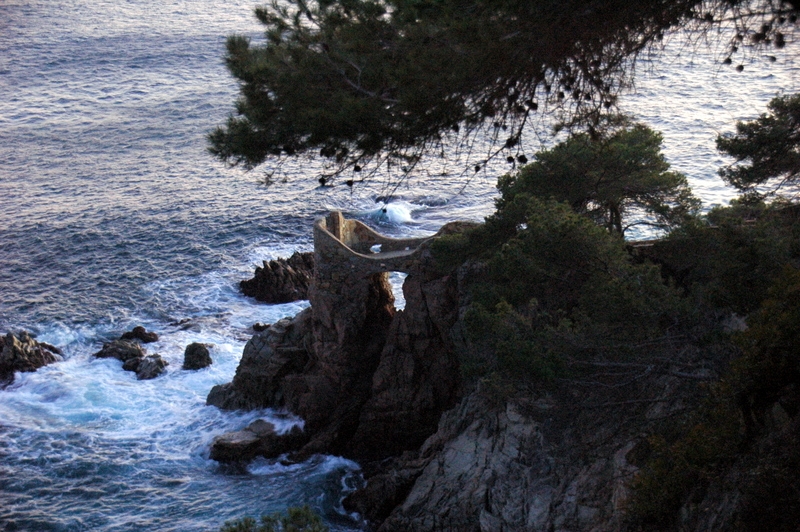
{"x":767,"y":150}
{"x":366,"y":81}
{"x":618,"y":178}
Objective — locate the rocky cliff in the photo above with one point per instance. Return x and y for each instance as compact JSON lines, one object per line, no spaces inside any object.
{"x":384,"y":387}
{"x":369,"y":381}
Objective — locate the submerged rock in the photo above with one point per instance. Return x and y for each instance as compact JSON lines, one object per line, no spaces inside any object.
{"x":257,"y":439}
{"x":186,"y":324}
{"x":134,"y":358}
{"x":281,"y":280}
{"x":146,"y":368}
{"x":122,"y":350}
{"x":141,"y":334}
{"x":196,"y":356}
{"x":23,"y":353}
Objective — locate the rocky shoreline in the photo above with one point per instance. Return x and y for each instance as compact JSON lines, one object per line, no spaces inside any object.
{"x":384,"y":388}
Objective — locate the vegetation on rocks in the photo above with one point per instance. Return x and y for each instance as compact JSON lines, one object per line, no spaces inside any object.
{"x":548,"y":303}
{"x":557,"y":283}
{"x":744,"y":436}
{"x":560,"y":300}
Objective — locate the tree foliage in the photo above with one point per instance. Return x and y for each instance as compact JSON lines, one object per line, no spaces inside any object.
{"x":560,"y":288}
{"x":618,"y":172}
{"x":743,"y":437}
{"x":767,"y":150}
{"x":361,"y":81}
{"x":729,"y":259}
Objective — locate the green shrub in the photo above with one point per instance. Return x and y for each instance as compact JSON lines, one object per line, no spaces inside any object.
{"x":735,"y":427}
{"x":561,"y":288}
{"x":729,"y":260}
{"x":769,"y":369}
{"x":705,"y":442}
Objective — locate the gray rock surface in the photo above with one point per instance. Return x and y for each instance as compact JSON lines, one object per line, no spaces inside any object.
{"x":122,"y":350}
{"x":257,"y":439}
{"x":148,"y":367}
{"x":494,"y":467}
{"x":22,"y":353}
{"x":281,"y":280}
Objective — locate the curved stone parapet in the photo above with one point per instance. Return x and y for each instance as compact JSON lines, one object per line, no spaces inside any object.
{"x":343,"y":250}
{"x":346,"y":246}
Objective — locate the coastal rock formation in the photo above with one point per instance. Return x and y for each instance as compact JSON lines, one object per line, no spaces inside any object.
{"x":146,"y":368}
{"x":526,"y":465}
{"x":122,"y":350}
{"x":268,"y":357}
{"x":141,"y":334}
{"x":369,"y":381}
{"x":384,"y":387}
{"x":134,"y":358}
{"x":196,"y":356}
{"x":281,"y":280}
{"x":23,"y":353}
{"x":257,"y":439}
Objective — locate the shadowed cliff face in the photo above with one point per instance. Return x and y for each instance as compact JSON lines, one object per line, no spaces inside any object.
{"x":368,"y":380}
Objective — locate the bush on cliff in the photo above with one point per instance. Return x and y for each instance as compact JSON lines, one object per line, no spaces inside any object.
{"x":560,"y":289}
{"x":728,"y":260}
{"x":745,"y":436}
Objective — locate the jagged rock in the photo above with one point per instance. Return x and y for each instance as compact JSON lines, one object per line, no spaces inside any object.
{"x":481,"y":468}
{"x":139,"y":333}
{"x":235,"y":446}
{"x":260,"y":327}
{"x":268,"y":357}
{"x":281,"y":280}
{"x":148,"y":367}
{"x":23,"y":353}
{"x":495,"y":466}
{"x":122,"y":350}
{"x":258,"y":439}
{"x":133,"y":358}
{"x":196,"y":356}
{"x":151,"y":367}
{"x":369,"y":382}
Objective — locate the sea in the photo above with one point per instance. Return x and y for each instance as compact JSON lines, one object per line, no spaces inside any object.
{"x":113,"y":214}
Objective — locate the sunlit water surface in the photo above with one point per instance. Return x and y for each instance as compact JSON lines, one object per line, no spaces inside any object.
{"x":112,"y":215}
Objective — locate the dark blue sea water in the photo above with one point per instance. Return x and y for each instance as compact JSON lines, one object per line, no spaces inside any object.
{"x":112,"y":214}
